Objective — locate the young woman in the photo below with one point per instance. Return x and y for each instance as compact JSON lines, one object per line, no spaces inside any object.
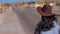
{"x":48,"y":23}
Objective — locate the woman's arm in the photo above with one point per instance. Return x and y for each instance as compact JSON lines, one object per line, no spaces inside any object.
{"x":41,"y":12}
{"x":36,"y":32}
{"x":59,"y":31}
{"x":37,"y":29}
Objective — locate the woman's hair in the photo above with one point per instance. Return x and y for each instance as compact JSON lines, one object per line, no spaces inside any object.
{"x":47,"y":23}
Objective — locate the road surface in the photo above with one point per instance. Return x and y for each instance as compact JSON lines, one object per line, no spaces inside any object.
{"x":28,"y":17}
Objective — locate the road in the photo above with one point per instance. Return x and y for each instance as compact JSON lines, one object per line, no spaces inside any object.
{"x":28,"y":17}
{"x":9,"y":23}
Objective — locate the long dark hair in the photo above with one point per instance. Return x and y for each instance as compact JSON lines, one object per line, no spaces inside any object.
{"x":47,"y":23}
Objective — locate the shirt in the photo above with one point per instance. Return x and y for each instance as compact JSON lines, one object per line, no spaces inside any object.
{"x":54,"y":30}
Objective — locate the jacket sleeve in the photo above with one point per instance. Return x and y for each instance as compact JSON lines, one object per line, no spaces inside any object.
{"x":59,"y":31}
{"x":37,"y":29}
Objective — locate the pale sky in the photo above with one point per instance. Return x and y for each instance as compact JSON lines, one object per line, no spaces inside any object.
{"x":12,"y":1}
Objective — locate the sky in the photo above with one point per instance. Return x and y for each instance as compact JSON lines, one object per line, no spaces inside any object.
{"x":14,"y":1}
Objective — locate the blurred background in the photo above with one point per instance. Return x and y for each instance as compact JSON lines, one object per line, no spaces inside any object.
{"x":21,"y":16}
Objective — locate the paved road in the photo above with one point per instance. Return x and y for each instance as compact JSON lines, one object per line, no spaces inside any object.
{"x":28,"y":17}
{"x":9,"y":23}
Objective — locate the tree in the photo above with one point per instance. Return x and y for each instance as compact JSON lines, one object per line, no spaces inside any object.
{"x":7,"y":4}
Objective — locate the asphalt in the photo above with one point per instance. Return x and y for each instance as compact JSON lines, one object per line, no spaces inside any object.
{"x":9,"y":23}
{"x":29,"y":17}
